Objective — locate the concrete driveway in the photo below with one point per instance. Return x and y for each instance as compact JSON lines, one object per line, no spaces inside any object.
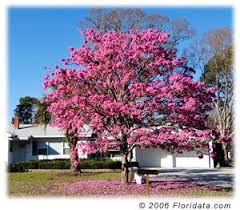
{"x":217,"y":177}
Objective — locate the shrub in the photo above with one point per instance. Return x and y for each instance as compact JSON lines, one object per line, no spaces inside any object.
{"x":17,"y":167}
{"x":54,"y":164}
{"x":63,"y":164}
{"x":96,"y":164}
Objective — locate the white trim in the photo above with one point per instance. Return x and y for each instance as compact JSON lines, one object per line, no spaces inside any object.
{"x":18,"y":139}
{"x":53,"y":136}
{"x":211,"y":160}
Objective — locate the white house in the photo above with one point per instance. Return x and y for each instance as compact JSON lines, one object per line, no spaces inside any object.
{"x":34,"y":142}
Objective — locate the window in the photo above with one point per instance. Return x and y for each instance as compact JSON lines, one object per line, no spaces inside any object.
{"x":66,"y":149}
{"x":115,"y":153}
{"x":42,"y":148}
{"x":39,"y":148}
{"x":10,"y":146}
{"x":42,"y":151}
{"x":34,"y":148}
{"x":55,"y":147}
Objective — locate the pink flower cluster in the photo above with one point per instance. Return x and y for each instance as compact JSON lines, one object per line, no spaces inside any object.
{"x":122,"y":84}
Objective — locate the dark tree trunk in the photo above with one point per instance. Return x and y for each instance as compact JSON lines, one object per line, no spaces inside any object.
{"x":225,"y":153}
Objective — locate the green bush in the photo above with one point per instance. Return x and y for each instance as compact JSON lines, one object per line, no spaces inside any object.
{"x":96,"y":164}
{"x":63,"y":164}
{"x":54,"y":164}
{"x":17,"y":167}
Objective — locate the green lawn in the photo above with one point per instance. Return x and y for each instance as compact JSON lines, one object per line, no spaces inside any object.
{"x":51,"y":183}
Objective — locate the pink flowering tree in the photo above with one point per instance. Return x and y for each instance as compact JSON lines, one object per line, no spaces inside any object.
{"x":132,"y":91}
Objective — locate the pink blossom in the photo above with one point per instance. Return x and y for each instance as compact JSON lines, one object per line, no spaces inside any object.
{"x":122,"y":84}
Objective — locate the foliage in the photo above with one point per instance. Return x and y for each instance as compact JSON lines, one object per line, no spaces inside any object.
{"x":17,"y":167}
{"x":217,"y":66}
{"x":62,"y":164}
{"x":25,"y":109}
{"x":42,"y":116}
{"x":218,"y":73}
{"x":95,"y":164}
{"x":32,"y":110}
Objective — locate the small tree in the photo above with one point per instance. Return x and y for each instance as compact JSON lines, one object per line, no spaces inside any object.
{"x":26,"y":108}
{"x":132,"y":92}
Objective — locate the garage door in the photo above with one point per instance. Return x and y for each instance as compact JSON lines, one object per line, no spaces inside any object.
{"x":154,"y":157}
{"x":191,"y":160}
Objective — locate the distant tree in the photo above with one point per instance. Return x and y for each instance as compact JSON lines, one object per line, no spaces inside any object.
{"x":218,"y":72}
{"x":42,"y":116}
{"x":25,"y":109}
{"x":120,"y":19}
{"x":32,"y":110}
{"x":180,"y":30}
{"x":213,"y":55}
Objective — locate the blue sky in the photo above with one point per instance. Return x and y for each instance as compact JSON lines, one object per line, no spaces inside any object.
{"x":39,"y":37}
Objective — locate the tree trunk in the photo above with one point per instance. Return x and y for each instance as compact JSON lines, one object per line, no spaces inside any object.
{"x":124,"y":172}
{"x":225,"y":152}
{"x":74,"y":159}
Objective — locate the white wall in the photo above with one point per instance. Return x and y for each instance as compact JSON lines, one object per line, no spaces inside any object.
{"x":153,"y":157}
{"x":51,"y":157}
{"x":80,"y":154}
{"x":22,"y":151}
{"x":166,"y":160}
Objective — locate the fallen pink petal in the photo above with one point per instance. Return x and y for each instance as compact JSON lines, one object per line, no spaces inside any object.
{"x":116,"y":188}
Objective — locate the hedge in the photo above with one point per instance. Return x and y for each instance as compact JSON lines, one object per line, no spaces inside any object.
{"x":96,"y":164}
{"x":62,"y":164}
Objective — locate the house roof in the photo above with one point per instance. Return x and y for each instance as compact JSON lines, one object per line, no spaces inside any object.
{"x":27,"y":131}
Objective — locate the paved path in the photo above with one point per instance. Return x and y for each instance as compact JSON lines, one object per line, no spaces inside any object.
{"x":215,"y":177}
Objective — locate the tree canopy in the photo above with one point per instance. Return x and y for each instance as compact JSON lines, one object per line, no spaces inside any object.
{"x":121,"y":19}
{"x":32,"y":110}
{"x":130,"y":88}
{"x":25,"y":109}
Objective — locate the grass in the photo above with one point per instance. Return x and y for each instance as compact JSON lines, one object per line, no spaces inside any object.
{"x":51,"y":183}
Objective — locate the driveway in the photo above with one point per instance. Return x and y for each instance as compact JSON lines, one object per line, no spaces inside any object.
{"x":217,"y":177}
